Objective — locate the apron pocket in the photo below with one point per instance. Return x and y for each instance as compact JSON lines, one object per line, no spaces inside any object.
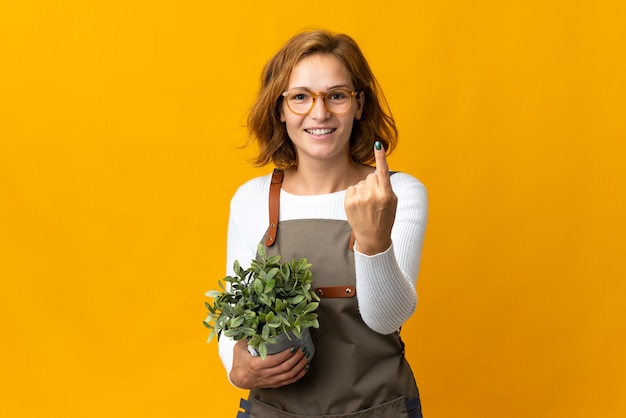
{"x":392,"y":409}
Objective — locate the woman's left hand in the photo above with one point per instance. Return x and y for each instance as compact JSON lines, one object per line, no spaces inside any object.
{"x":371,"y":208}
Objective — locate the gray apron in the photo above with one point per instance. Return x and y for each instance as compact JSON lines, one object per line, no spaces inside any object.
{"x":355,"y":372}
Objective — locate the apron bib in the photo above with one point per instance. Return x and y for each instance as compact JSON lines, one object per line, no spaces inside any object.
{"x":355,"y":372}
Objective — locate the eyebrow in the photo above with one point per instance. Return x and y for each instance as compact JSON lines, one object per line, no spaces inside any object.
{"x":330,"y":88}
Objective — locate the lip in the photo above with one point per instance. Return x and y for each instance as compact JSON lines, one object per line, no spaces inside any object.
{"x":320,"y":131}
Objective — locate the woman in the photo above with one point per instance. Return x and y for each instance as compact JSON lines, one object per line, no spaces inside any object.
{"x":322,"y":120}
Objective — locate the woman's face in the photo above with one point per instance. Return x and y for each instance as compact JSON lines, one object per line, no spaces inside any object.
{"x":320,"y":134}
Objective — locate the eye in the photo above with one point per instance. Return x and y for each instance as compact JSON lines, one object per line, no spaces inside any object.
{"x":337,"y":95}
{"x":299,"y":96}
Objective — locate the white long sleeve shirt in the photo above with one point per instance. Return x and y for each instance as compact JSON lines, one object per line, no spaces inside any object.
{"x":385,"y":282}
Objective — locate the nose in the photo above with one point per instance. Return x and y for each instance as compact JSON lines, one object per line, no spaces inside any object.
{"x":319,"y":110}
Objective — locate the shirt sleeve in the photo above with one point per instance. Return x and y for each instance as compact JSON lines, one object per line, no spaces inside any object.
{"x":386,"y":282}
{"x":247,"y":223}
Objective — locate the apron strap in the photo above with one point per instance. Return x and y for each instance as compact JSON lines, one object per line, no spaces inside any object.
{"x":414,"y":408}
{"x":275,"y":185}
{"x":336,"y":291}
{"x":246,"y":405}
{"x":274,"y":209}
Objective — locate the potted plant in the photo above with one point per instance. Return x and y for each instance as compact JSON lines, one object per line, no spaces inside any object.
{"x":271,"y":304}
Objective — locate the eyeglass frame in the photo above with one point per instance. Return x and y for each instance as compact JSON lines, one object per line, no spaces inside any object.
{"x":323,"y":94}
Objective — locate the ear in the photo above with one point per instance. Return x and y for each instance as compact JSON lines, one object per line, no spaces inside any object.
{"x":360,"y":104}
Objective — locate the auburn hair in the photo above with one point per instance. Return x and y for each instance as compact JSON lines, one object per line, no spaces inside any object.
{"x":376,"y":122}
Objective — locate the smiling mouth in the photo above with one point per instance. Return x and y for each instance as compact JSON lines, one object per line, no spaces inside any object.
{"x":319,"y":131}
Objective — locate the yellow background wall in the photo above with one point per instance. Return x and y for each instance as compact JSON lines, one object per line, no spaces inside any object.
{"x":119,"y":128}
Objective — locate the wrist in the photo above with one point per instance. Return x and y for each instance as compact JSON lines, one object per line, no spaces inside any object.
{"x":372,"y":248}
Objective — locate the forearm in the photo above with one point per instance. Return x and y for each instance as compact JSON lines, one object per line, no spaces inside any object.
{"x":386,"y":282}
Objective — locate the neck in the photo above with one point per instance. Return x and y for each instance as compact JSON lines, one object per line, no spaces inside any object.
{"x":313,"y":179}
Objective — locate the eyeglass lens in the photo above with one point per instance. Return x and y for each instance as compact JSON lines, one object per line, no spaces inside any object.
{"x":336,"y":100}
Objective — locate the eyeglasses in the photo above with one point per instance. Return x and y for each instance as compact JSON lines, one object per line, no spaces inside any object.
{"x":301,"y":100}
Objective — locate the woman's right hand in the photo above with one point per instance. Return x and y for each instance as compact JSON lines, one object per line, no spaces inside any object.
{"x":250,"y":372}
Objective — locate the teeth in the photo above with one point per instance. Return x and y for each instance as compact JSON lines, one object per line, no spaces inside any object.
{"x":319,"y":131}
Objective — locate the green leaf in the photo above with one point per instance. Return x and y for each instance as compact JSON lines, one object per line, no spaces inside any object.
{"x":254,"y":341}
{"x":284,"y":320}
{"x":236,"y":322}
{"x":311,"y":307}
{"x":297,"y":332}
{"x":269,"y":285}
{"x":248,"y":332}
{"x":266,"y":300}
{"x":231,"y":333}
{"x":261,"y":250}
{"x":296,"y":299}
{"x":213,"y":294}
{"x":309,"y":324}
{"x":258,"y":286}
{"x":272,"y":273}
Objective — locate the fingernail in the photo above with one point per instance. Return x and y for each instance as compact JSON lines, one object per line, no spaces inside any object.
{"x":294,"y":349}
{"x":307,"y":355}
{"x":377,"y":145}
{"x":306,"y":368}
{"x":303,"y":349}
